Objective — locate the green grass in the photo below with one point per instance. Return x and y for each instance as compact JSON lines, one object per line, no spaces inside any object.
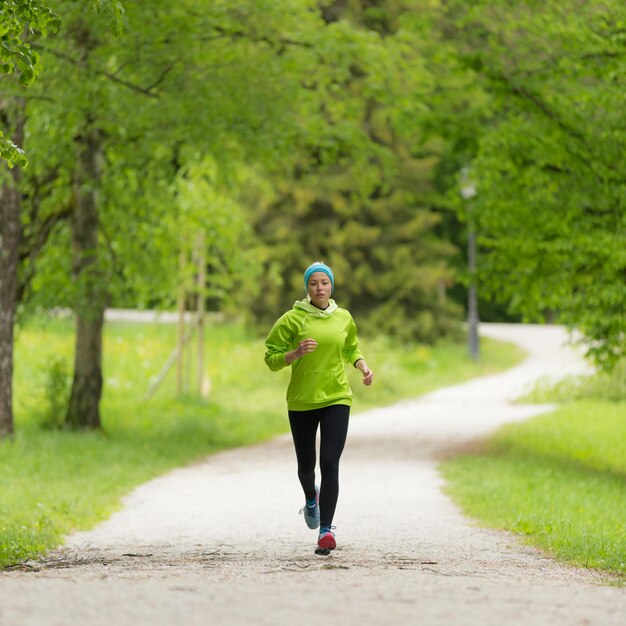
{"x":558,"y":479}
{"x":600,"y":386}
{"x":54,"y":481}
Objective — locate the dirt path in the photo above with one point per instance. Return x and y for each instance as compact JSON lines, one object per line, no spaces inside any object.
{"x":221,"y":542}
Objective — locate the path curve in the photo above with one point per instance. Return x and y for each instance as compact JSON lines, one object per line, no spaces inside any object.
{"x":220,"y":542}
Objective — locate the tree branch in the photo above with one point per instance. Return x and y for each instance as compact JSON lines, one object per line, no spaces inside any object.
{"x":145,"y":91}
{"x":32,"y":246}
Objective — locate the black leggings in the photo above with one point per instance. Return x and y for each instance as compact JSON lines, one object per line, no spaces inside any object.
{"x":333,"y":422}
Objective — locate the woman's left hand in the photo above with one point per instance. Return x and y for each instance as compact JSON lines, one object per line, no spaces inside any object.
{"x":368,"y":375}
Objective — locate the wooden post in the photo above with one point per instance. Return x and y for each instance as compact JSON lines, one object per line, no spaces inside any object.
{"x":472,"y":297}
{"x":468,"y":191}
{"x":200,"y":309}
{"x":171,"y":359}
{"x":181,"y":322}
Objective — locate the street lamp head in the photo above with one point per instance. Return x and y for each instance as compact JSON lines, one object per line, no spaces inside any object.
{"x":466,"y":184}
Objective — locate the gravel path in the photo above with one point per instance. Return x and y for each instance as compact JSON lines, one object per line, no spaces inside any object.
{"x":220,"y":542}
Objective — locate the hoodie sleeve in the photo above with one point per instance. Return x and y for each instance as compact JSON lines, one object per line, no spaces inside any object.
{"x":278,"y":342}
{"x":351,"y":352}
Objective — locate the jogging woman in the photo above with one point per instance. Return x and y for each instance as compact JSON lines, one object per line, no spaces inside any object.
{"x":317,"y":338}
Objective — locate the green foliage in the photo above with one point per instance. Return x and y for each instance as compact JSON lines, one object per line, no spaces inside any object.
{"x":363,"y":113}
{"x":57,"y":392}
{"x":207,"y":204}
{"x":52,"y":481}
{"x":333,"y":130}
{"x":18,"y":18}
{"x":11,"y":153}
{"x":359,"y":195}
{"x":390,"y":268}
{"x":546,"y":160}
{"x":22,"y":24}
{"x":347,"y":183}
{"x":208,"y":90}
{"x":112,"y":8}
{"x":144,"y":110}
{"x":557,"y":479}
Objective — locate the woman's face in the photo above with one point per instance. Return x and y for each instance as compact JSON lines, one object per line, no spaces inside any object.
{"x":319,"y":289}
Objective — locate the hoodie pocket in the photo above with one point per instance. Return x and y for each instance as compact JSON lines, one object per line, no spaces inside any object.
{"x":317,"y":386}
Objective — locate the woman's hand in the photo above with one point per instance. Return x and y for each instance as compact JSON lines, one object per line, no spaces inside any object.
{"x":368,"y":375}
{"x":306,"y":346}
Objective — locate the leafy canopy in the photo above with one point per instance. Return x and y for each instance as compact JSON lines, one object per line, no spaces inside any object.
{"x":545,"y":141}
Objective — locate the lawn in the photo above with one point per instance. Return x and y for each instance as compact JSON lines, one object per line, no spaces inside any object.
{"x":558,"y":479}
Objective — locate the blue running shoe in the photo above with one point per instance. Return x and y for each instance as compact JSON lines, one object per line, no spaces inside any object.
{"x":312,"y":513}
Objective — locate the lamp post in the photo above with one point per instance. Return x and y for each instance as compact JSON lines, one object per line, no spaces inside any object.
{"x":468,"y":191}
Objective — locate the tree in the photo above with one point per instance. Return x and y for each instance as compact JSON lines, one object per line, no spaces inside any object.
{"x":16,"y":57}
{"x":359,"y":195}
{"x":548,"y":166}
{"x":9,"y":245}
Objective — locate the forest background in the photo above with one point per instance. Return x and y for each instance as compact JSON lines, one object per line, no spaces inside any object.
{"x":371,"y":134}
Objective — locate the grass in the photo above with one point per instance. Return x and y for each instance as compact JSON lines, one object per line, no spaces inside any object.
{"x":558,"y":479}
{"x":54,"y":481}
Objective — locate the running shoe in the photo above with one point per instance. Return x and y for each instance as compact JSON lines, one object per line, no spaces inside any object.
{"x":326,"y":541}
{"x":312,"y":513}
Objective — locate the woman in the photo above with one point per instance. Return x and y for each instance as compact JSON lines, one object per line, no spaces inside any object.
{"x":316,"y":338}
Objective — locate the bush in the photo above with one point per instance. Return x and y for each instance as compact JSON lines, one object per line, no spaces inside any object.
{"x":57,"y":393}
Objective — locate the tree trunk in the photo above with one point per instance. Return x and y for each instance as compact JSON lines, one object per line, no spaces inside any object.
{"x":10,"y":230}
{"x":84,"y":407}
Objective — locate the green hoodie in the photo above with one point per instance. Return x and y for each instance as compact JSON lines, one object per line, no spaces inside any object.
{"x":318,"y":378}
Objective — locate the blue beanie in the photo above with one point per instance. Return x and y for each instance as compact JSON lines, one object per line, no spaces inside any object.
{"x":318,"y":267}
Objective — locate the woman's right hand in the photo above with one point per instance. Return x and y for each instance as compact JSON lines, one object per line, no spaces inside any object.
{"x":305,"y":346}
